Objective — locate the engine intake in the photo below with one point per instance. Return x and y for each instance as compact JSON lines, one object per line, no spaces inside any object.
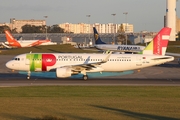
{"x":63,"y":72}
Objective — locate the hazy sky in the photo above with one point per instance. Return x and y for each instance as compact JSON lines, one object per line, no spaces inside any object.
{"x":143,"y":14}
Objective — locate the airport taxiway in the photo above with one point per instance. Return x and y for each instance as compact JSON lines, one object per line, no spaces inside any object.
{"x":163,"y":75}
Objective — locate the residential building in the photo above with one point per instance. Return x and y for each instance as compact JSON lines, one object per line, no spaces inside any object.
{"x":101,"y":28}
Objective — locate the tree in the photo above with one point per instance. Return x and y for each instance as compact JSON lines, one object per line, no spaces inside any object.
{"x":32,"y":29}
{"x":14,"y":30}
{"x":41,"y":29}
{"x":55,"y":29}
{"x":121,"y":29}
{"x":178,"y":35}
{"x":3,"y":28}
{"x":121,"y":39}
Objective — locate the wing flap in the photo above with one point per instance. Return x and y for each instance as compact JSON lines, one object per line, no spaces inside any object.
{"x":89,"y":66}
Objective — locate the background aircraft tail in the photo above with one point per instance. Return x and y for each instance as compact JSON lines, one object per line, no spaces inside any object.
{"x":11,"y":40}
{"x":159,"y":44}
{"x":97,"y":37}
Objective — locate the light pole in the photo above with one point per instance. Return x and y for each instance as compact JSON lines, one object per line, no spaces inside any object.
{"x":89,"y":24}
{"x":114,"y":25}
{"x":89,"y":27}
{"x":126,"y":26}
{"x":46,"y":25}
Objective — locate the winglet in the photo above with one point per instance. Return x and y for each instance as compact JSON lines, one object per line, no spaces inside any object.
{"x":106,"y":52}
{"x":107,"y":57}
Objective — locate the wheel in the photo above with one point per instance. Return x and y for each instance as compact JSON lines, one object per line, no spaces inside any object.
{"x":85,"y":77}
{"x":28,"y":75}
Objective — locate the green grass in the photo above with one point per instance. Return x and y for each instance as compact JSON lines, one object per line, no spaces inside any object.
{"x":90,"y":103}
{"x":173,"y":49}
{"x":69,"y":49}
{"x":66,"y":48}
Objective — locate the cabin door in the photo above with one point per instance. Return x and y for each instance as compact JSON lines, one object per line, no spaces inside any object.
{"x":138,"y":61}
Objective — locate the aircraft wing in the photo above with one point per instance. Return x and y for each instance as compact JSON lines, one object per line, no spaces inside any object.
{"x":88,"y":66}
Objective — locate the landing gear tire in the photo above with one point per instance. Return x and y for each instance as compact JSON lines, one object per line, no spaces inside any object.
{"x":85,"y":77}
{"x":28,"y":75}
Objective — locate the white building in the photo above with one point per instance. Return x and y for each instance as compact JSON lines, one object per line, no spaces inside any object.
{"x":101,"y":28}
{"x":19,"y":23}
{"x":128,"y":28}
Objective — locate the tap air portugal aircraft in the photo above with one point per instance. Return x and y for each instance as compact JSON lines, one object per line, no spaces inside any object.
{"x":12,"y":42}
{"x":99,"y":44}
{"x":69,"y":64}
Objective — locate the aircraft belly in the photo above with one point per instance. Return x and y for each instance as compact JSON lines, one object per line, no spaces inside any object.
{"x":117,"y":66}
{"x":23,"y":67}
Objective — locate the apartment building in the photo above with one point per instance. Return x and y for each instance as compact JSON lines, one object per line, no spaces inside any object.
{"x":102,"y":28}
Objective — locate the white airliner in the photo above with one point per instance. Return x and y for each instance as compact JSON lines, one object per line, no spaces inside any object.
{"x":12,"y":42}
{"x":99,"y":44}
{"x":69,"y":64}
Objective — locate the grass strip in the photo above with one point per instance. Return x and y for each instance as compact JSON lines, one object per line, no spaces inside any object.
{"x":90,"y":102}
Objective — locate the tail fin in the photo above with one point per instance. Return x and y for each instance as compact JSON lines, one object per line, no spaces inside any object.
{"x":11,"y":40}
{"x":97,"y":38}
{"x":159,"y":44}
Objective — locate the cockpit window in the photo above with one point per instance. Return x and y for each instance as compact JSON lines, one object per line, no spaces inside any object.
{"x":17,"y":59}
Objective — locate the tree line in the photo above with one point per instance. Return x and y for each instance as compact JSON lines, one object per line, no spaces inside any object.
{"x":34,"y":29}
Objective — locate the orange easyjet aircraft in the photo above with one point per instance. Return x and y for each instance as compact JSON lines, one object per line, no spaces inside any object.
{"x":12,"y":42}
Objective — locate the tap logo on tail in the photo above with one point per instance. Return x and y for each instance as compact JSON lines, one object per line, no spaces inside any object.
{"x":159,"y":44}
{"x":161,"y":41}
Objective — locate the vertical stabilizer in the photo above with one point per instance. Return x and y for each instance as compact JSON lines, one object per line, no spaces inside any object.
{"x":97,"y":37}
{"x":11,"y":40}
{"x":159,"y":44}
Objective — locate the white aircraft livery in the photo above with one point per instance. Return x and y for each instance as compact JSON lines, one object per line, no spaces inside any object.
{"x":69,"y":64}
{"x":99,"y":44}
{"x":12,"y":42}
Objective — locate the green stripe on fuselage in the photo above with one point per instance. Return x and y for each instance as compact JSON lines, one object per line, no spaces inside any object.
{"x":35,"y":61}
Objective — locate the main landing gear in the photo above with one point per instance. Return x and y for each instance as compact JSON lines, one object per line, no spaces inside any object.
{"x":85,"y":77}
{"x":28,"y":75}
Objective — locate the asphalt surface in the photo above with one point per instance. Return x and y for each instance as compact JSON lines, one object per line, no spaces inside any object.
{"x":163,"y":75}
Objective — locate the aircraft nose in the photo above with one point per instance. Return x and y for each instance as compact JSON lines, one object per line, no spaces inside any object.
{"x":9,"y":65}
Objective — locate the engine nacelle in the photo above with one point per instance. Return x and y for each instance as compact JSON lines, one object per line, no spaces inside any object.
{"x":63,"y":72}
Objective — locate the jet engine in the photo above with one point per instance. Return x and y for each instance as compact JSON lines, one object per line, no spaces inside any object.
{"x":63,"y":72}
